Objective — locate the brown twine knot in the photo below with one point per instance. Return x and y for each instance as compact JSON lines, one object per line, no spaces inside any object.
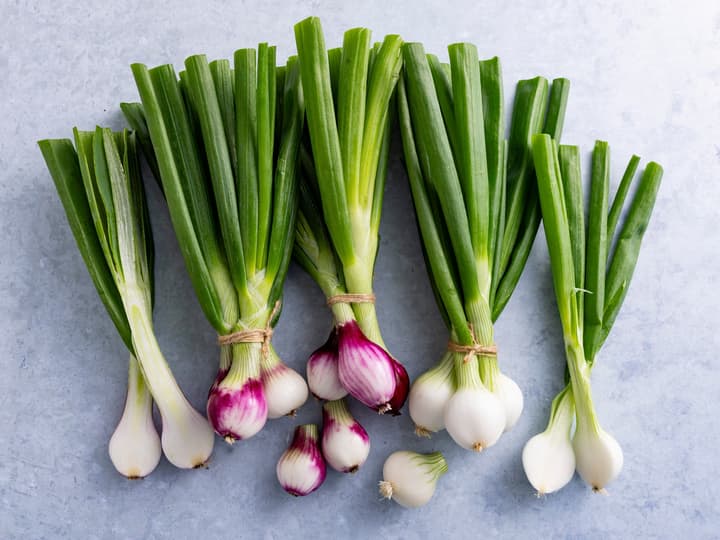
{"x":351,"y":298}
{"x":253,"y":335}
{"x":469,"y":350}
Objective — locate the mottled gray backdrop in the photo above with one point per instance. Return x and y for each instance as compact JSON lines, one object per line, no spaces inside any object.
{"x":645,"y":76}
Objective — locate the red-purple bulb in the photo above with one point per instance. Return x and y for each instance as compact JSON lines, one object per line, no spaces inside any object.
{"x":322,"y":371}
{"x":237,"y":411}
{"x":301,"y":468}
{"x":368,"y":372}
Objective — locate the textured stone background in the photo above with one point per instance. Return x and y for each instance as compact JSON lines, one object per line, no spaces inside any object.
{"x":646,"y":77}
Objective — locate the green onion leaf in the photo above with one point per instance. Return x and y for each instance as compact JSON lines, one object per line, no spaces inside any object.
{"x":439,"y":167}
{"x":571,"y":173}
{"x":436,"y":256}
{"x":624,"y":259}
{"x":62,"y":162}
{"x":596,"y":258}
{"x":178,"y":169}
{"x":619,"y":199}
{"x":315,"y":71}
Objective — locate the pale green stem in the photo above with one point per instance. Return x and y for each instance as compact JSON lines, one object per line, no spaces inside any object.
{"x":480,"y":317}
{"x":443,"y":369}
{"x":358,"y":279}
{"x":269,"y":360}
{"x":139,"y":399}
{"x":580,"y":383}
{"x":158,"y":376}
{"x":467,"y":374}
{"x":338,"y":411}
{"x":562,"y":412}
{"x":435,"y":464}
{"x":245,"y":363}
{"x":225,"y":357}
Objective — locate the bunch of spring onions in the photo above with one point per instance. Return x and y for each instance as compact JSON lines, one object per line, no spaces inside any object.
{"x":591,"y":280}
{"x":225,"y":144}
{"x":478,"y":214}
{"x":348,"y":92}
{"x":101,"y":189}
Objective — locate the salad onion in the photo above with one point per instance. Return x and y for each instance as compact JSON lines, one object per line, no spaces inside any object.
{"x":349,"y":96}
{"x":101,"y":189}
{"x":410,"y":478}
{"x":301,"y":468}
{"x":590,"y":280}
{"x":226,"y":143}
{"x":477,"y":211}
{"x":345,"y":443}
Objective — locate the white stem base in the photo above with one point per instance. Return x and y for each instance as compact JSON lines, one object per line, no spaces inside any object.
{"x":135,"y":445}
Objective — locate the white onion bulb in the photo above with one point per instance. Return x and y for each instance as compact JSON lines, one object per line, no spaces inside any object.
{"x":599,"y":458}
{"x":429,"y":395}
{"x":410,"y":478}
{"x":135,"y":445}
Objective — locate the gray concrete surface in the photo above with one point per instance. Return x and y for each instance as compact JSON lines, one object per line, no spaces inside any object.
{"x":646,"y":77}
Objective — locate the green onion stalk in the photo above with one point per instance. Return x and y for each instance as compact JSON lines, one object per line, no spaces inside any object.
{"x":225,"y":143}
{"x":478,"y":214}
{"x":100,"y":186}
{"x":591,"y":279}
{"x":348,"y":92}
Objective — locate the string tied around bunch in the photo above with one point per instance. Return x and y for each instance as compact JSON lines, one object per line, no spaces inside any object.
{"x":351,"y":298}
{"x":253,"y":335}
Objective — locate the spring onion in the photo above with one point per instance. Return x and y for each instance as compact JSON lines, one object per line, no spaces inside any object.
{"x":478,"y":215}
{"x":226,"y":144}
{"x":348,"y":93}
{"x":301,"y":468}
{"x":101,"y":189}
{"x":591,"y":280}
{"x":345,"y":443}
{"x":410,"y":478}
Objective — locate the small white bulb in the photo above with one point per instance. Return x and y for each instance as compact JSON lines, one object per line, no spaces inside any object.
{"x":428,"y":397}
{"x":549,"y":461}
{"x":474,"y":418}
{"x":285,"y":391}
{"x":135,"y":445}
{"x":511,"y":398}
{"x":322,"y":371}
{"x":410,"y":478}
{"x":187,"y":437}
{"x":599,"y":458}
{"x":345,"y":443}
{"x":301,"y":468}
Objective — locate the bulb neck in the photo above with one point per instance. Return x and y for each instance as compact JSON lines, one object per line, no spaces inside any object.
{"x":245,"y":364}
{"x":305,"y":438}
{"x":225,"y":357}
{"x":467,"y":374}
{"x":270,"y":360}
{"x":444,"y":368}
{"x":562,"y":413}
{"x":434,"y":464}
{"x":155,"y":369}
{"x":358,"y":280}
{"x":337,"y":411}
{"x":480,"y":322}
{"x":581,"y":390}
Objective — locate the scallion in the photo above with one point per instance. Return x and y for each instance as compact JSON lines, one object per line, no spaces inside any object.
{"x":226,"y":144}
{"x":590,"y":281}
{"x":349,"y":94}
{"x":101,"y":189}
{"x":477,"y":211}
